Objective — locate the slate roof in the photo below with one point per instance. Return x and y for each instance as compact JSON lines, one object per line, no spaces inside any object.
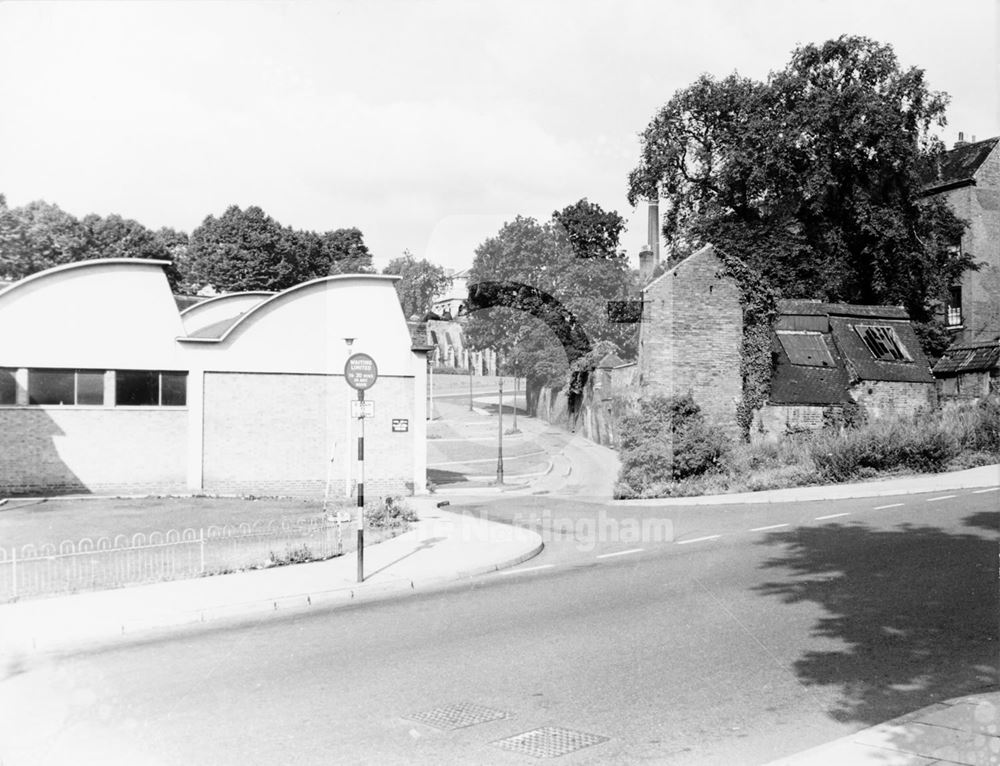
{"x":818,"y":308}
{"x":807,"y":384}
{"x":969,"y":358}
{"x":818,"y":368}
{"x":957,"y":166}
{"x":861,"y":364}
{"x":216,"y":329}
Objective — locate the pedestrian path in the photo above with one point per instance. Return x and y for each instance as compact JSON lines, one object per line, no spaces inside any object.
{"x":959,"y":731}
{"x":441,"y":547}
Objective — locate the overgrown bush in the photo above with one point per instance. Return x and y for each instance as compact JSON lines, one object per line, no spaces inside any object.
{"x":666,"y":440}
{"x":391,"y":512}
{"x":922,"y":445}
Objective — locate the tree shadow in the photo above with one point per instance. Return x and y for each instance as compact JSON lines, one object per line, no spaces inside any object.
{"x":913,"y":612}
{"x":30,"y":463}
{"x":440,"y":477}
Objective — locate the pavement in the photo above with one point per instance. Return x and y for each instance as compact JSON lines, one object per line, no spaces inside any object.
{"x":965,"y":730}
{"x":441,"y":547}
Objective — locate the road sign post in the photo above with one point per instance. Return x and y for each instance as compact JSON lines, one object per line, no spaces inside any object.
{"x":361,"y":372}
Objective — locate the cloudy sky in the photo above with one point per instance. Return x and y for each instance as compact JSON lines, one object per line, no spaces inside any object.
{"x":426,"y":124}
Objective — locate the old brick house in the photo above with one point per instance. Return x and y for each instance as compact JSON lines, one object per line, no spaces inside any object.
{"x":968,"y":178}
{"x":825,"y":356}
{"x":968,"y":371}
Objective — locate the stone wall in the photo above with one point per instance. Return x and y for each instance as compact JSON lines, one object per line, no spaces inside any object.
{"x":881,"y":398}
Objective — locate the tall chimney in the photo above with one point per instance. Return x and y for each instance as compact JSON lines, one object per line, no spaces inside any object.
{"x":653,"y":231}
{"x":646,"y":264}
{"x":961,"y":139}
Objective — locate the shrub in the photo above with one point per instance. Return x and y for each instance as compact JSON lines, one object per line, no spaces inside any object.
{"x":666,"y":440}
{"x":391,"y":512}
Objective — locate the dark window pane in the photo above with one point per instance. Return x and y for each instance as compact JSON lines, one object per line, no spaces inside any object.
{"x":90,"y":387}
{"x":137,"y":388}
{"x":174,"y":389}
{"x":8,"y":388}
{"x":50,"y":386}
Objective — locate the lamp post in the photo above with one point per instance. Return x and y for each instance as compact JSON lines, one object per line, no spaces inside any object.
{"x":500,"y":436}
{"x":470,"y":380}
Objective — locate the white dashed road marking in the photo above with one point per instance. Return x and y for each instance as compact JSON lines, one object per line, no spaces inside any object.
{"x":883,"y":507}
{"x":525,"y":569}
{"x":772,"y":526}
{"x":699,"y":539}
{"x":832,"y":516}
{"x":619,"y":553}
{"x":988,"y":489}
{"x":942,"y":497}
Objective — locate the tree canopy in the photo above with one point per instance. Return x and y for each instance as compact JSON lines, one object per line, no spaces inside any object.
{"x":249,"y":250}
{"x":812,"y":178}
{"x":540,"y":292}
{"x":421,"y":282}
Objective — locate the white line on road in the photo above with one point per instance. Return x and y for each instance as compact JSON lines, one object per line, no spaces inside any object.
{"x":773,"y":526}
{"x":940,"y":497}
{"x":988,"y":489}
{"x":526,"y":569}
{"x":619,"y":553}
{"x":832,"y":516}
{"x":699,"y":539}
{"x":883,"y":507}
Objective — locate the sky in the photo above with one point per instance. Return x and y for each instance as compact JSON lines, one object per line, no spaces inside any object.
{"x":426,"y":124}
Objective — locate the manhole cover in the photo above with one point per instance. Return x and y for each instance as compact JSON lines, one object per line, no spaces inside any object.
{"x":549,"y":742}
{"x":458,"y":716}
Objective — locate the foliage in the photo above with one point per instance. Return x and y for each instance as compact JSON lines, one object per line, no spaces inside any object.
{"x":421,"y":282}
{"x":592,"y":232}
{"x":249,"y":250}
{"x":850,"y":448}
{"x":812,"y":178}
{"x":391,"y":512}
{"x":666,"y":440}
{"x":539,"y":293}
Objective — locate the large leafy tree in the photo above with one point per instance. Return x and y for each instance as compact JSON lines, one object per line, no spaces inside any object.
{"x":38,"y":236}
{"x":421,"y":281}
{"x":249,"y":250}
{"x":812,"y":178}
{"x":540,"y":298}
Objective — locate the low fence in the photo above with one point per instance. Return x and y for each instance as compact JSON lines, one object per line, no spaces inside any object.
{"x":97,"y":564}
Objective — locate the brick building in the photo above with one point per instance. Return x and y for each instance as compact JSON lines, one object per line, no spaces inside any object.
{"x":106,"y":387}
{"x":824,"y":356}
{"x":968,"y":178}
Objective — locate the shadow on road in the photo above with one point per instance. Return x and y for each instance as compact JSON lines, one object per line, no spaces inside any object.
{"x":913,"y":612}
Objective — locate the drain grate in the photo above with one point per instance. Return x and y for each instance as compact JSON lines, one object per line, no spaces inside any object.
{"x":549,"y":742}
{"x":458,"y":716}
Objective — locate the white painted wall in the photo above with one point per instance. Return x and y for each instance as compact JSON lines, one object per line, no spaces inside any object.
{"x":109,"y":313}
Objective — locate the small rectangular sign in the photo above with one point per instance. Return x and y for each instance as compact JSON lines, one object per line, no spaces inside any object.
{"x":400,"y":425}
{"x":365,"y":409}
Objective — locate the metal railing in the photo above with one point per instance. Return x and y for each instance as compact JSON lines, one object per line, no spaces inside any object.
{"x":96,"y":564}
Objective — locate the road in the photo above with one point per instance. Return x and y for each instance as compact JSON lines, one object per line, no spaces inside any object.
{"x":737,"y":642}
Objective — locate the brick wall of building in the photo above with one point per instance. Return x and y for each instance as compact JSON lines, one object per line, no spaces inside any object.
{"x":884,"y":397}
{"x":50,"y":450}
{"x":773,"y":421}
{"x":691,"y":335}
{"x":275,"y":434}
{"x":979,"y":205}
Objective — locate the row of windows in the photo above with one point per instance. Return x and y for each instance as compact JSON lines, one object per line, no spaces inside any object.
{"x":126,"y":388}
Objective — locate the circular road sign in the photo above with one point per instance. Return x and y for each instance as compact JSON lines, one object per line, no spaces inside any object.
{"x":361,"y":371}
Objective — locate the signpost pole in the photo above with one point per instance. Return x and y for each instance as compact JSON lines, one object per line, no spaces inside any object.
{"x":361,"y":492}
{"x":470,"y":381}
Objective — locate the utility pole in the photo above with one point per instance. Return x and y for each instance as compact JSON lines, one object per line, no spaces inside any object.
{"x":500,"y":437}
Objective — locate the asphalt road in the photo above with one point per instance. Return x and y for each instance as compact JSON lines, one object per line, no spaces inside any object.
{"x":737,"y":642}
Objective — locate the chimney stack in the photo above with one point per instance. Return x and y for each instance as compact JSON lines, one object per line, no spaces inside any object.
{"x":961,"y":139}
{"x":653,"y":232}
{"x":646,"y":264}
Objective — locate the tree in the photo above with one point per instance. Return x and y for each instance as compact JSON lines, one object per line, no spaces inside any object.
{"x":812,"y":178}
{"x":344,"y":251}
{"x":543,"y":303}
{"x":38,"y":236}
{"x":592,"y":232}
{"x":421,"y":282}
